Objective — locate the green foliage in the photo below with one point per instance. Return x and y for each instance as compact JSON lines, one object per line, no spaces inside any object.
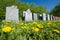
{"x":25,"y":31}
{"x":56,"y":10}
{"x":37,"y":9}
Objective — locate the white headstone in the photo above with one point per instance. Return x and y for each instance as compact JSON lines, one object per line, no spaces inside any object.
{"x":51,"y":17}
{"x":12,"y":13}
{"x":48,"y":16}
{"x":35,"y":16}
{"x":28,"y":15}
{"x":44,"y":16}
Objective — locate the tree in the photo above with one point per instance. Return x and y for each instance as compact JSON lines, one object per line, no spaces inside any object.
{"x":23,"y":7}
{"x":4,"y":4}
{"x":37,"y":9}
{"x":56,"y":10}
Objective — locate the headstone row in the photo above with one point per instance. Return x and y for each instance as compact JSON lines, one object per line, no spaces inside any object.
{"x":49,"y":17}
{"x":29,"y":17}
{"x":12,"y":14}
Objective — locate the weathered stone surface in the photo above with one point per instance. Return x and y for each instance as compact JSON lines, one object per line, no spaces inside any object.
{"x":35,"y":17}
{"x":28,"y":15}
{"x":48,"y":16}
{"x":44,"y":16}
{"x":12,"y":13}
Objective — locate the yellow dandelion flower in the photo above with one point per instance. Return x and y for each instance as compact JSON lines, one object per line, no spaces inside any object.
{"x":36,"y":29}
{"x":39,"y":25}
{"x":57,"y":31}
{"x":34,"y":22}
{"x":6,"y":29}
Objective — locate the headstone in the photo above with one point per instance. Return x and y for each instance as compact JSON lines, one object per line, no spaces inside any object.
{"x":28,"y":15}
{"x":51,"y":17}
{"x":48,"y":16}
{"x":54,"y":18}
{"x":35,"y":16}
{"x":59,"y":18}
{"x":12,"y":13}
{"x":44,"y":16}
